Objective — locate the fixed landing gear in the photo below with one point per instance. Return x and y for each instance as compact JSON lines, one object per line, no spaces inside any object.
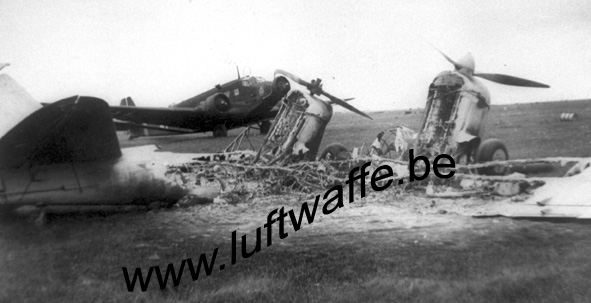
{"x":335,"y":151}
{"x":42,"y":218}
{"x":489,"y":150}
{"x":220,"y":131}
{"x":492,"y":150}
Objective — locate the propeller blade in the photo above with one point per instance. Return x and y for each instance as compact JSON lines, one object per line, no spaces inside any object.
{"x":456,"y":65}
{"x":510,"y":80}
{"x":293,"y":77}
{"x":346,"y":105}
{"x":316,"y":88}
{"x":346,"y":100}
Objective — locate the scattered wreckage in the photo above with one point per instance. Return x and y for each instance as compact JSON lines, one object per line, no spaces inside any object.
{"x":287,"y":157}
{"x":67,"y":153}
{"x":453,"y":123}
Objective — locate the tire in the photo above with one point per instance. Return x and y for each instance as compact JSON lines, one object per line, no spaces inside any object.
{"x":491,"y":150}
{"x":220,"y":131}
{"x":335,"y":151}
{"x":265,"y":127}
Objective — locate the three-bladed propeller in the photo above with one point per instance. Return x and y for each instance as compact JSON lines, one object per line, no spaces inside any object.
{"x":315,"y":88}
{"x":466,"y":67}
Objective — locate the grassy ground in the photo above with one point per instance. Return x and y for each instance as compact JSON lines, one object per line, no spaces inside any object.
{"x":452,"y":259}
{"x":385,"y":248}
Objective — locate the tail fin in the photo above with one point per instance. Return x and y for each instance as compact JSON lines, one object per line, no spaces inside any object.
{"x":76,"y":129}
{"x":127,"y":102}
{"x":133,"y":131}
{"x":15,"y":104}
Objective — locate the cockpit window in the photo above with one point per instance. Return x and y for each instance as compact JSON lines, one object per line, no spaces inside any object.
{"x":245,"y":83}
{"x":255,"y":80}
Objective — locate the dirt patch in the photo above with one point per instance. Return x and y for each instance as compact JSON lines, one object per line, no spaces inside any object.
{"x":418,"y":217}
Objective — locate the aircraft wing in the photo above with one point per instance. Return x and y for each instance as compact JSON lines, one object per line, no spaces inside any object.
{"x":563,"y":197}
{"x":181,"y":120}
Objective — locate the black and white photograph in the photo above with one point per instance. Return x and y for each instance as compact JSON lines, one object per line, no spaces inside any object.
{"x":295,"y":151}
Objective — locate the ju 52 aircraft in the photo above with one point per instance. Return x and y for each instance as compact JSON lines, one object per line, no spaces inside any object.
{"x":66,"y":153}
{"x":240,"y":102}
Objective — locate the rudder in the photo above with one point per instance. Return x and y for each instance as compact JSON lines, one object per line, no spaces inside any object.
{"x":127,"y":102}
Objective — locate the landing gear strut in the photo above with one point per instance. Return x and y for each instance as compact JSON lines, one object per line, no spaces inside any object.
{"x":265,"y":127}
{"x":42,"y":218}
{"x":220,"y":131}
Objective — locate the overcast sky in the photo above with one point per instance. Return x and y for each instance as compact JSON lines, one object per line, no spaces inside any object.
{"x":161,"y":52}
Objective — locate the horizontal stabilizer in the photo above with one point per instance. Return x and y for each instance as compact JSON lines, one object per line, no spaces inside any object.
{"x":76,"y":129}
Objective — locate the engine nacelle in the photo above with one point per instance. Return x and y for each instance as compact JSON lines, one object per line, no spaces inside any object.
{"x":297,"y":131}
{"x":317,"y":115}
{"x":455,"y":115}
{"x":218,"y":103}
{"x":281,"y":86}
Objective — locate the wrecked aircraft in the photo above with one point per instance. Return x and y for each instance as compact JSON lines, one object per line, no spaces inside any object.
{"x":67,"y":153}
{"x":290,"y":150}
{"x":297,"y":131}
{"x":565,"y":197}
{"x":455,"y":115}
{"x":453,"y":123}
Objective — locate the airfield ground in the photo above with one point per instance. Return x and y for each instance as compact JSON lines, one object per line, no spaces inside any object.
{"x":388,"y":247}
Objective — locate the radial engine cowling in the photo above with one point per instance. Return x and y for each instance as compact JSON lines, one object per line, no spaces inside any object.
{"x":281,"y":86}
{"x":218,"y":103}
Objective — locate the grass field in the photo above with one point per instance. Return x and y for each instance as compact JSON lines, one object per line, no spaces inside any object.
{"x":388,"y":247}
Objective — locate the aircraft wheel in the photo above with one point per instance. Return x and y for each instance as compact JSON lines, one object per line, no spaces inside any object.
{"x":265,"y":127}
{"x":492,"y":150}
{"x":220,"y":131}
{"x":335,"y":151}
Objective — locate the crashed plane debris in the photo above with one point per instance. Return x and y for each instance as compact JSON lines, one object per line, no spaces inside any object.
{"x":67,"y":153}
{"x":453,"y":123}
